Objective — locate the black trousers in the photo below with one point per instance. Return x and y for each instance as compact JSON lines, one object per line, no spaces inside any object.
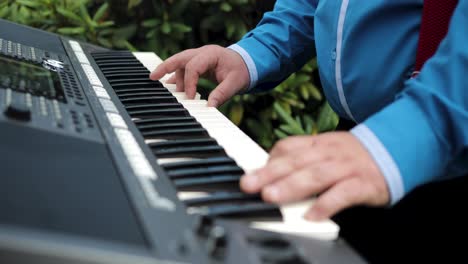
{"x":430,"y":224}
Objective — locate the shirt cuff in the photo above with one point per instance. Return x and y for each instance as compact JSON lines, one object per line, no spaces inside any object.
{"x":383,"y":159}
{"x":409,"y":137}
{"x":249,"y":63}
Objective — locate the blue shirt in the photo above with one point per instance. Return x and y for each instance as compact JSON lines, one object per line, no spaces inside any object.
{"x":415,"y":129}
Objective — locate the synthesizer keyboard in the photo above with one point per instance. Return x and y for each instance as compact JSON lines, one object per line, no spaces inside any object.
{"x":102,"y":165}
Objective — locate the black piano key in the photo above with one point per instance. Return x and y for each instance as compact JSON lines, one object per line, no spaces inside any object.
{"x":198,"y":148}
{"x":167,"y":125}
{"x":195,"y":142}
{"x":175,"y":133}
{"x":111,"y":76}
{"x":164,"y":106}
{"x":142,"y":84}
{"x":198,"y":152}
{"x":127,"y":63}
{"x":167,"y":120}
{"x":148,"y":100}
{"x":155,"y":113}
{"x":208,"y":183}
{"x":252,"y":210}
{"x":199,"y":163}
{"x":132,"y":71}
{"x":104,"y":59}
{"x":122,"y":68}
{"x":112,"y":53}
{"x":207,"y":171}
{"x":129,"y":80}
{"x":143,"y":91}
{"x":223,"y":197}
{"x":190,"y":152}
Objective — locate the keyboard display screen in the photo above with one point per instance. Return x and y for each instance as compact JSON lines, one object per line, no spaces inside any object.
{"x":30,"y":78}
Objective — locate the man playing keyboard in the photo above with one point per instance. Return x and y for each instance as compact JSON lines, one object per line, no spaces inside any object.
{"x":410,"y":132}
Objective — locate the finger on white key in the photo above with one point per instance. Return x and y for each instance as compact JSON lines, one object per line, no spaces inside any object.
{"x":182,"y":96}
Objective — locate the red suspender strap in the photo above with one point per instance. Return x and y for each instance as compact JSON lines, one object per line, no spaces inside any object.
{"x":434,"y":27}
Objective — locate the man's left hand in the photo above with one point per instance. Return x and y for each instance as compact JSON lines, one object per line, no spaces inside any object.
{"x":335,"y":166}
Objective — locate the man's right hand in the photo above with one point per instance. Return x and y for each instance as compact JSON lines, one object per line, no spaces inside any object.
{"x":219,"y":64}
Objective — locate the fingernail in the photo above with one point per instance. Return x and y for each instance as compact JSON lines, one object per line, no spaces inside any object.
{"x":272,"y":193}
{"x":250,"y":181}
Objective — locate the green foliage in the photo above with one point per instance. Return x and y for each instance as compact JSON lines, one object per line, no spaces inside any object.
{"x":169,"y":26}
{"x":81,"y":19}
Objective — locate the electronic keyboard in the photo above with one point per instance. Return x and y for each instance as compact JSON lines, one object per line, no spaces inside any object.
{"x":102,"y":165}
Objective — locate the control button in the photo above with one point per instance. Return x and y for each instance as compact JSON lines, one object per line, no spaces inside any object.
{"x":75,"y":46}
{"x":202,"y":224}
{"x":116,"y":120}
{"x":91,"y":74}
{"x":134,"y":154}
{"x":57,"y":111}
{"x":9,"y":47}
{"x":215,"y":236}
{"x":33,"y":54}
{"x":43,"y":106}
{"x":274,"y":249}
{"x":18,"y":111}
{"x":81,"y":57}
{"x":216,"y":242}
{"x":108,"y":105}
{"x":101,"y":92}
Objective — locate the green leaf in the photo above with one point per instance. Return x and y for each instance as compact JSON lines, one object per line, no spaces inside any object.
{"x":327,"y":119}
{"x":289,"y":130}
{"x":150,"y":34}
{"x":166,"y":28}
{"x":133,"y":3}
{"x":85,"y":15}
{"x":308,"y":124}
{"x":24,"y":13}
{"x":237,"y":113}
{"x":125,"y":33}
{"x":226,"y":7}
{"x":302,"y":78}
{"x":75,"y":19}
{"x":106,"y":24}
{"x":151,"y":23}
{"x":181,"y":27}
{"x":4,"y":12}
{"x":105,"y":42}
{"x":101,"y":12}
{"x":28,"y":3}
{"x":71,"y":30}
{"x":287,"y":118}
{"x":316,"y":94}
{"x":280,"y":134}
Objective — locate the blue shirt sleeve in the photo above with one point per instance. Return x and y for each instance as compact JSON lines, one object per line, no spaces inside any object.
{"x":425,"y":130}
{"x":281,"y":43}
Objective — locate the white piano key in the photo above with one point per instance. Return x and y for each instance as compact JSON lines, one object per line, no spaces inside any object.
{"x":170,"y":87}
{"x":181,"y":96}
{"x":248,"y":155}
{"x":150,"y":60}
